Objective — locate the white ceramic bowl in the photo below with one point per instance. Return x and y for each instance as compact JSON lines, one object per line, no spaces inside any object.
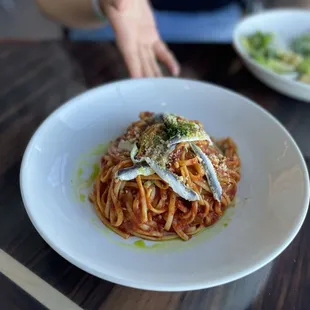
{"x":287,"y":24}
{"x":272,"y":199}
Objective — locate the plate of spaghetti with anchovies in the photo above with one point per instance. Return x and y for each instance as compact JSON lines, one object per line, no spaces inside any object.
{"x":164,"y":178}
{"x":164,"y":184}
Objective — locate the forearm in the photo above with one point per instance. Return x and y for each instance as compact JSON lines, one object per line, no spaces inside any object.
{"x":72,"y":13}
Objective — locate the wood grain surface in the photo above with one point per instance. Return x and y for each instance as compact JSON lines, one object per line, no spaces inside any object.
{"x":35,"y":79}
{"x":14,"y":298}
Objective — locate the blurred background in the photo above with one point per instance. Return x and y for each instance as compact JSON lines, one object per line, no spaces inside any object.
{"x":21,"y":20}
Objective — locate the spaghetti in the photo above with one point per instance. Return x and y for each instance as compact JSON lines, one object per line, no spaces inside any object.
{"x":165,"y":179}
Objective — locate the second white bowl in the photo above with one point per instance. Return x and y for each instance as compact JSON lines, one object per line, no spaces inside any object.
{"x":286,"y":24}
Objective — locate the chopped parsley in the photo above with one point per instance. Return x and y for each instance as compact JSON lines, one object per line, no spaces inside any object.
{"x":181,"y":129}
{"x":175,"y":126}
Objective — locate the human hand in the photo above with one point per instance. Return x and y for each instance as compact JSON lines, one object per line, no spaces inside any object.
{"x":138,"y":39}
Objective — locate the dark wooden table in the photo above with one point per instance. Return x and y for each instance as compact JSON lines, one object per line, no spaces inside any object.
{"x":35,"y":78}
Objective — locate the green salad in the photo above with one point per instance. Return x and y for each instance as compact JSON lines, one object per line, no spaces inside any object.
{"x":301,"y":45}
{"x":262,"y":48}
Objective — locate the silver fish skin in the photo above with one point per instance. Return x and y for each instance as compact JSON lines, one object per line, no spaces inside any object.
{"x":131,"y":173}
{"x":173,"y":180}
{"x":178,"y":139}
{"x":212,"y":179}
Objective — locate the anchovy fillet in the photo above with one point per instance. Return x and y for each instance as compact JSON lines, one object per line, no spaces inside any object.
{"x":174,"y":181}
{"x":211,"y":176}
{"x":131,"y":173}
{"x":179,"y":139}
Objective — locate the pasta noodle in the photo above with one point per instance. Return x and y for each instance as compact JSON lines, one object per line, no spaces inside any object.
{"x":146,"y":206}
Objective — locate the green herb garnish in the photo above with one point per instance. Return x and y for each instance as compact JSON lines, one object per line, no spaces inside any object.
{"x":182,"y":129}
{"x":175,"y":126}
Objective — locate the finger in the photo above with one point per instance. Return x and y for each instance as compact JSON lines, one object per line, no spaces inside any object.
{"x":166,"y":57}
{"x":154,"y":64}
{"x":132,"y":62}
{"x":120,"y":5}
{"x":146,"y":62}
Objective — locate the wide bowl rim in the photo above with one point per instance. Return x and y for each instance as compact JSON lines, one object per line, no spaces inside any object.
{"x":161,"y":286}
